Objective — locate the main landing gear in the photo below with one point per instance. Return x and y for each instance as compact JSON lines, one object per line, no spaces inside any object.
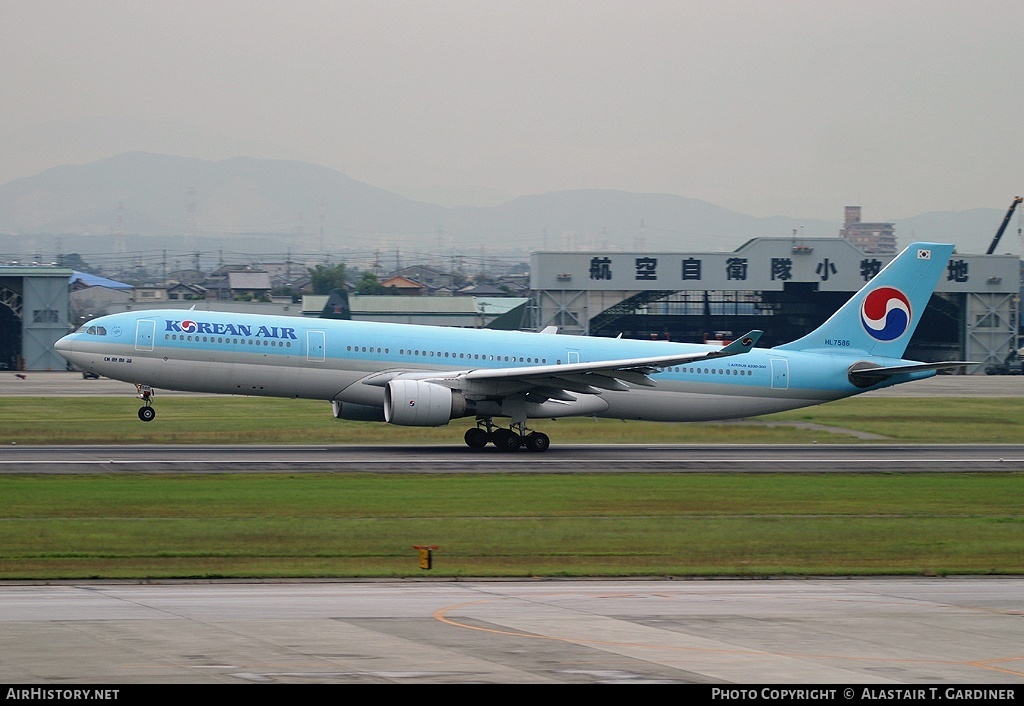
{"x":146,"y":411}
{"x":513,"y":439}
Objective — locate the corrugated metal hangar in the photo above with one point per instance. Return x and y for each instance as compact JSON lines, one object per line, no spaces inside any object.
{"x":33,"y":315}
{"x":783,"y":286}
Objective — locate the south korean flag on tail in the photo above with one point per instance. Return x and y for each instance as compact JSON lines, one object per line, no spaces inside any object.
{"x":924,"y":254}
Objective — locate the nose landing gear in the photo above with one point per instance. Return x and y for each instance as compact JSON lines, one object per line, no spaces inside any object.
{"x":146,"y":411}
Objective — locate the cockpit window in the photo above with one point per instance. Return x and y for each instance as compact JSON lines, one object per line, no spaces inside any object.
{"x":96,"y":331}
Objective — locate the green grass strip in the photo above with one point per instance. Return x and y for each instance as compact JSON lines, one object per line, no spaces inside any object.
{"x":320,"y":525}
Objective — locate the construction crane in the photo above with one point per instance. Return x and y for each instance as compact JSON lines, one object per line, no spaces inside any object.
{"x":999,"y":233}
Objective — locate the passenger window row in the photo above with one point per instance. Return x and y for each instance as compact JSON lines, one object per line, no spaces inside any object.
{"x":221,"y":339}
{"x":715,"y":371}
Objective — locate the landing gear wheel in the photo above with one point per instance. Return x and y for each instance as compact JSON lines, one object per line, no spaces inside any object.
{"x":505,"y":439}
{"x":536,"y":441}
{"x":477,"y":438}
{"x":147,"y":414}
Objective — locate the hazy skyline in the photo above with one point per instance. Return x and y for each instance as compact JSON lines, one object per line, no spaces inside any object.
{"x":791,"y":108}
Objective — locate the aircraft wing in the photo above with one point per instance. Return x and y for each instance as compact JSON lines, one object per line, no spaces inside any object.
{"x":610,"y":368}
{"x":556,"y":381}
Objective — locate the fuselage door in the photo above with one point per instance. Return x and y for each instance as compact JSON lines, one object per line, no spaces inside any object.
{"x":145,"y":331}
{"x":315,"y":345}
{"x":572,"y":357}
{"x":780,"y":374}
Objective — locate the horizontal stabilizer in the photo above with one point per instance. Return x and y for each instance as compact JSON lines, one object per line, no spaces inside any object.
{"x":867,"y":375}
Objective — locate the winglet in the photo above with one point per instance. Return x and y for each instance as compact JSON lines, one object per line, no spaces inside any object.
{"x":742,"y":344}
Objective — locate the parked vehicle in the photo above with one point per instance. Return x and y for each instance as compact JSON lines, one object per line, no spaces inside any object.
{"x":1013,"y":364}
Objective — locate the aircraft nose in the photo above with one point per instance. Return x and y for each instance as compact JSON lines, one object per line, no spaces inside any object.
{"x":64,"y":345}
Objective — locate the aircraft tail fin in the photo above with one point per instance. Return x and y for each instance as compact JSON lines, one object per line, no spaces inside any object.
{"x":880,"y":318}
{"x":337,"y":306}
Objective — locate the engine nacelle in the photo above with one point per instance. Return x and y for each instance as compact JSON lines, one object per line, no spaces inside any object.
{"x":415,"y":403}
{"x":357,"y":412}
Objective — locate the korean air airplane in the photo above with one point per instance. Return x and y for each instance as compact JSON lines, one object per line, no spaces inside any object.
{"x":427,"y":375}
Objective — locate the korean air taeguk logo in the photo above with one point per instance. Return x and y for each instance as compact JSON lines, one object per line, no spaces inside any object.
{"x":885,"y":314}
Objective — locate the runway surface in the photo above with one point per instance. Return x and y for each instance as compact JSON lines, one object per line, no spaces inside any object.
{"x":917,"y":631}
{"x":673,"y":458}
{"x":879,"y":631}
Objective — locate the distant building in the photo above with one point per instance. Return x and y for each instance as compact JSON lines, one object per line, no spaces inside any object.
{"x":171,"y":291}
{"x":255,"y":285}
{"x":405,"y":286}
{"x":90,"y":295}
{"x":150,"y":292}
{"x":429,"y":276}
{"x":182,"y":290}
{"x":481,"y":290}
{"x":868,"y":237}
{"x":238,"y":284}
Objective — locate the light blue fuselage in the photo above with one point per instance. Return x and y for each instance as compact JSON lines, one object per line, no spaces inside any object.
{"x":338,"y":361}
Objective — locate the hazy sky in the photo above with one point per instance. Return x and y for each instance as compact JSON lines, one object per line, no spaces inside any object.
{"x":795,"y":107}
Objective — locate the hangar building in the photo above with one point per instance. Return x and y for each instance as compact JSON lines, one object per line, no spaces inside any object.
{"x":33,"y":315}
{"x":783,"y":286}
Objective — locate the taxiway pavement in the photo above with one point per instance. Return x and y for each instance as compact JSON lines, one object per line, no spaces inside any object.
{"x":921,"y":631}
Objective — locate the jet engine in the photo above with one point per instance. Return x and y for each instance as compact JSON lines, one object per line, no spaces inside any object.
{"x":415,"y":403}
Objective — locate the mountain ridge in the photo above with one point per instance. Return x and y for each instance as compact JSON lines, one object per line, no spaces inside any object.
{"x":191,"y":202}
